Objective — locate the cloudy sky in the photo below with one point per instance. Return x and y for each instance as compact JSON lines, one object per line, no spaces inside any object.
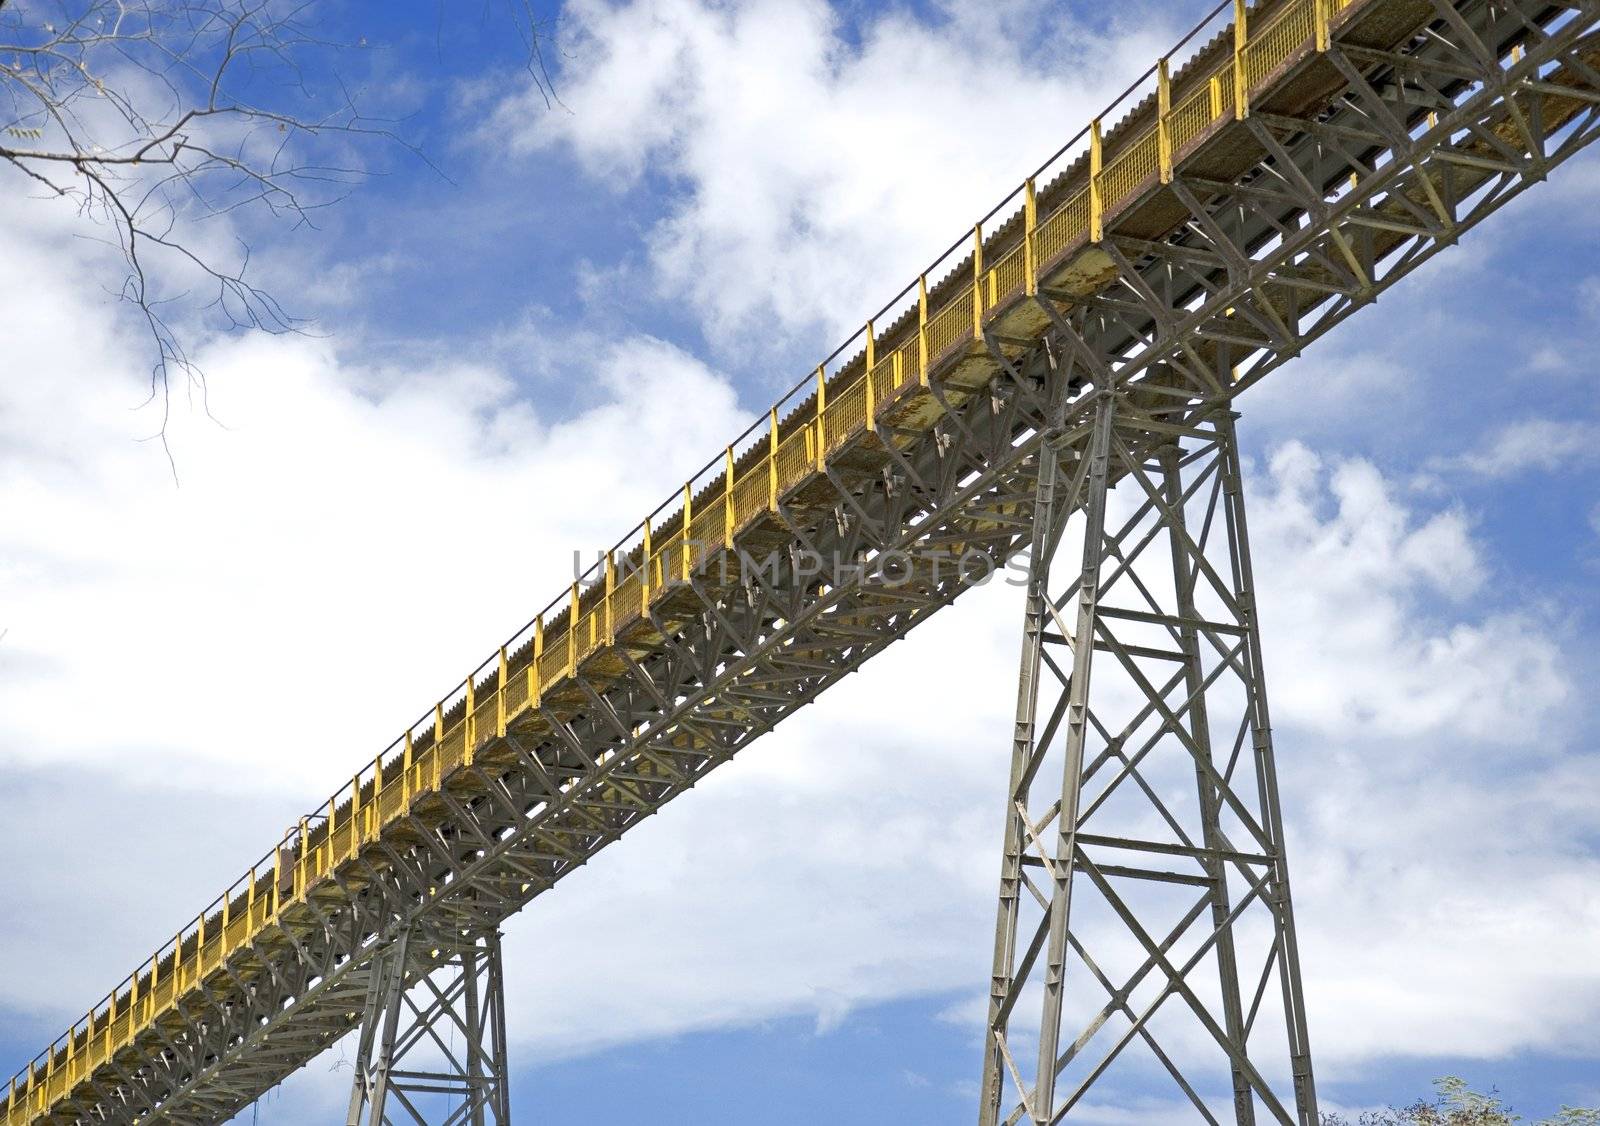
{"x":520,"y":358}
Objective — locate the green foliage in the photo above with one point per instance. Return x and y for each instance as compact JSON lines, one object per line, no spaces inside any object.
{"x":1456,"y":1104}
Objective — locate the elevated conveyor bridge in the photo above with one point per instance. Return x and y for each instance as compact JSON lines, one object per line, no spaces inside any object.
{"x":1278,"y":171}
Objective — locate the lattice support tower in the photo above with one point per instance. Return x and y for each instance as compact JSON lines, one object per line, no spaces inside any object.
{"x":1144,"y":903}
{"x":432,"y":1052}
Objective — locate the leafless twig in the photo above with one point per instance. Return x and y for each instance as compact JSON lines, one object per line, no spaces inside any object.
{"x":157,"y":119}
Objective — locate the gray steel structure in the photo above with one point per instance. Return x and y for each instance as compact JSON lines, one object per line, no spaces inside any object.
{"x":442,"y":1060}
{"x":1163,"y":595}
{"x":1289,"y":224}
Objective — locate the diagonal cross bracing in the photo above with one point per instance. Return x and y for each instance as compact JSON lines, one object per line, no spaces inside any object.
{"x":1282,"y":180}
{"x":1147,"y":792}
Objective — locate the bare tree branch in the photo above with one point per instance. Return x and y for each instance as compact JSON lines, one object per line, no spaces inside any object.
{"x":159,"y":119}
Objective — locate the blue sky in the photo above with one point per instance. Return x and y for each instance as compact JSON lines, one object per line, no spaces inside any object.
{"x":520,"y":359}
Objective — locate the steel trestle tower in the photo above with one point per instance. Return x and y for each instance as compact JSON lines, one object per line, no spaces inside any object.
{"x":1146,"y":790}
{"x":433,"y":1052}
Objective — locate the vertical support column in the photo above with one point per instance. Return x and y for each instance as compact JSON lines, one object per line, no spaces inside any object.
{"x":433,"y":1052}
{"x":1155,"y":871}
{"x":1260,"y":722}
{"x":1023,"y":840}
{"x":1199,"y":728}
{"x":380,"y":1022}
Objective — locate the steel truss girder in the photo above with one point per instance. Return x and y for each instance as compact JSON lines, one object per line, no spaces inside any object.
{"x":1292,"y":247}
{"x":1162,"y":600}
{"x":1424,"y":144}
{"x":450,"y":1045}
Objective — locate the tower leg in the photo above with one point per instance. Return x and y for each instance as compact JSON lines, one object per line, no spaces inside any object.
{"x":1153,"y":878}
{"x":434,"y":1053}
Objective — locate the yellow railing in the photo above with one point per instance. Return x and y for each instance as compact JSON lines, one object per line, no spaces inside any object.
{"x":773,"y":459}
{"x":1131,"y":167}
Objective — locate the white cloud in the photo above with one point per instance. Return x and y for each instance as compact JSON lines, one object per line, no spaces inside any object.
{"x":1350,"y":640}
{"x":815,"y":170}
{"x":345,"y":543}
{"x":1537,"y":444}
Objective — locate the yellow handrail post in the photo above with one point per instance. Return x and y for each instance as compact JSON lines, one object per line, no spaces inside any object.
{"x":1030,"y":225}
{"x":1215,"y":87}
{"x":300,"y":861}
{"x":1241,"y":80}
{"x":611,"y":587}
{"x":572,"y":631}
{"x":872,"y":406}
{"x":535,"y":689}
{"x":687,"y":550}
{"x":872,"y":362}
{"x":772,"y":460}
{"x":1163,"y":127}
{"x":355,"y":813}
{"x":405,"y":776}
{"x":1321,"y":17}
{"x":500,"y":694}
{"x":470,"y":720}
{"x":727,"y":502}
{"x":277,"y":892}
{"x":647,"y":560}
{"x":922,"y":330}
{"x":822,"y":407}
{"x":1097,"y":204}
{"x":438,"y":743}
{"x":249,"y":914}
{"x":977,"y":281}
